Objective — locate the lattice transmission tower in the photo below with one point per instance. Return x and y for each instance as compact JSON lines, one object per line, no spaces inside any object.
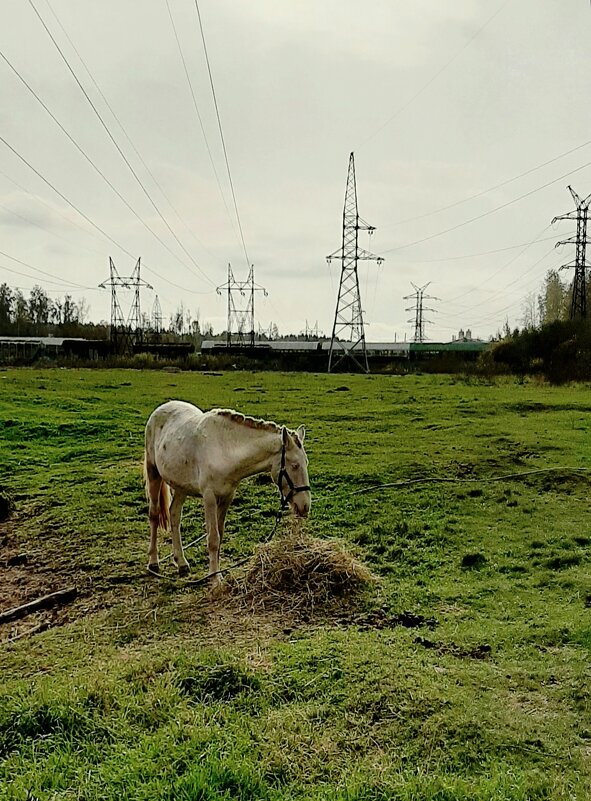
{"x":124,"y":334}
{"x":348,"y":335}
{"x":419,"y":310}
{"x":578,"y":306}
{"x":156,"y":320}
{"x":241,"y":319}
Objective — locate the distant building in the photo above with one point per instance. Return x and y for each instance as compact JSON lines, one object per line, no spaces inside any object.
{"x":29,"y":349}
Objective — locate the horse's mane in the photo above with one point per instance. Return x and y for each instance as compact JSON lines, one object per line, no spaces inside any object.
{"x":249,"y":422}
{"x":253,"y":422}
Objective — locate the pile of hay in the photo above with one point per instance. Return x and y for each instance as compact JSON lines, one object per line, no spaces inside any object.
{"x":299,"y":573}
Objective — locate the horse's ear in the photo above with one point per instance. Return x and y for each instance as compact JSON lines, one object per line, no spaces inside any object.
{"x":284,"y":436}
{"x":301,"y":432}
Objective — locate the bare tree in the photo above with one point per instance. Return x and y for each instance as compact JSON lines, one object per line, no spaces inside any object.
{"x":529,"y":308}
{"x":83,"y":309}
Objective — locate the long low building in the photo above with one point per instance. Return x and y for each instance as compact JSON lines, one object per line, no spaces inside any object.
{"x":401,"y":350}
{"x":29,"y":349}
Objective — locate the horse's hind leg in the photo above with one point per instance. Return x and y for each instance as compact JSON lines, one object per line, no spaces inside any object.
{"x":176,"y":508}
{"x":153,"y":484}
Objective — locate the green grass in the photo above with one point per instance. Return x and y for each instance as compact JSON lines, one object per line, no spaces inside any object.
{"x":150,"y":690}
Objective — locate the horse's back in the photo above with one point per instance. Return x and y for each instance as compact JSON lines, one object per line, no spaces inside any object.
{"x":166,"y":420}
{"x":174,"y":410}
{"x":174,"y":443}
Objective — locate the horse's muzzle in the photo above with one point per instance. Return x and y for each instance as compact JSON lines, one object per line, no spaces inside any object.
{"x":301,"y":506}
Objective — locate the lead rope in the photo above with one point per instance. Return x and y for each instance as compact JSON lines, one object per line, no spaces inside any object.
{"x":376,"y":487}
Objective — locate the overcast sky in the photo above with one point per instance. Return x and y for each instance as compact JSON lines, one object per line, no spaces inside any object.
{"x":443,"y":103}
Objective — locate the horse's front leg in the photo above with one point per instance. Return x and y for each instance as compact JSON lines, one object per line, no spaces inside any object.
{"x":223,"y":506}
{"x":176,"y":508}
{"x":210,"y":509}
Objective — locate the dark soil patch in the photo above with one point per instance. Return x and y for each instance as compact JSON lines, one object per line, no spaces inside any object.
{"x":562,"y":562}
{"x":478,"y":652}
{"x":527,"y":407}
{"x":6,"y":505}
{"x":27,"y":573}
{"x":384,"y":619}
{"x":474,"y":561}
{"x":566,"y":482}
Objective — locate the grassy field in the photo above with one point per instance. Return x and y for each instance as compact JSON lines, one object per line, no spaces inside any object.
{"x":147,"y":689}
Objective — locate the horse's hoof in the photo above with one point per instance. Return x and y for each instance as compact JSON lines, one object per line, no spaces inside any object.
{"x":184,"y":570}
{"x":154,"y":569}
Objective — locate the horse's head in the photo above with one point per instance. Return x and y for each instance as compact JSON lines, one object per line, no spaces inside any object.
{"x":290,"y":472}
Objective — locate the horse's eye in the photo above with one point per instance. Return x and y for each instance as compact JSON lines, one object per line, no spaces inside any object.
{"x":295,"y":466}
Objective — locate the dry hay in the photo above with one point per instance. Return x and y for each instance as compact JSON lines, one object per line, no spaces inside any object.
{"x":298,"y":573}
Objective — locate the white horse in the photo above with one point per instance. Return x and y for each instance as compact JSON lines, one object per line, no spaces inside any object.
{"x":207,"y":454}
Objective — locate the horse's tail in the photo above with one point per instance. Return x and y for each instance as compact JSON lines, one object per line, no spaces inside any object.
{"x":151,"y":473}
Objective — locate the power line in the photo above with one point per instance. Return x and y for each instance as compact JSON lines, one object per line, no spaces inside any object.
{"x":27,"y":275}
{"x":90,"y":221}
{"x":29,"y":221}
{"x":476,"y":255}
{"x":434,"y":78}
{"x":519,"y":278}
{"x":196,"y":106}
{"x":87,"y":157}
{"x":495,"y":314}
{"x":36,"y":269}
{"x":57,"y":191}
{"x":65,"y":287}
{"x":123,"y":129}
{"x":217,"y":112}
{"x":54,"y":210}
{"x":490,"y":189}
{"x":490,"y":211}
{"x":488,"y":318}
{"x":500,"y":270}
{"x":114,"y":141}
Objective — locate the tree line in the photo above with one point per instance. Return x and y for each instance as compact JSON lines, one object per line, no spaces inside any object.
{"x":40,"y":315}
{"x":549,"y":342}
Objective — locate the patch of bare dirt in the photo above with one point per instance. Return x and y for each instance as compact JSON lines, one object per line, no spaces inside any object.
{"x":28,"y":572}
{"x":288,"y":584}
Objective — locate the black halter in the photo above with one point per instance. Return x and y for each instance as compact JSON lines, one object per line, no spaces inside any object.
{"x":283,"y":474}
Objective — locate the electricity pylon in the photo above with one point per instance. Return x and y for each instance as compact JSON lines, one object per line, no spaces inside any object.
{"x":240,"y":328}
{"x":156,"y":316}
{"x":348,"y":319}
{"x":419,"y":310}
{"x":578,"y":306}
{"x":125,"y":334}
